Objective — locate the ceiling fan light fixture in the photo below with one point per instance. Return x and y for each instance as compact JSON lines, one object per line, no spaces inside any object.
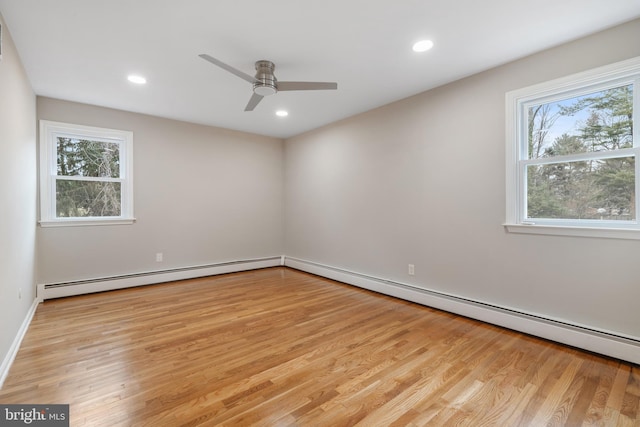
{"x":422,"y":46}
{"x":264,"y":90}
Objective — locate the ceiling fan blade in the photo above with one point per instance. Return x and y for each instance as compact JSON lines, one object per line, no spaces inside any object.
{"x":229,"y":68}
{"x":253,"y":101}
{"x":282,"y":86}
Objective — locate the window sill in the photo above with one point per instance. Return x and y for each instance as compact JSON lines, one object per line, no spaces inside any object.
{"x":86,"y":222}
{"x":557,"y":230}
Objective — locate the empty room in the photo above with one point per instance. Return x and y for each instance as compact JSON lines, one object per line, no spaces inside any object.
{"x":409,"y":213}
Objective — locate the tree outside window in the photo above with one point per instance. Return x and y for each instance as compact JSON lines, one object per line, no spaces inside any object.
{"x":85,"y":175}
{"x":571,"y":150}
{"x":582,"y":188}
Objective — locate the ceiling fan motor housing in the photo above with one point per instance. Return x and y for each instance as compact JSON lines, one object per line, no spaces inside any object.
{"x":266,"y":81}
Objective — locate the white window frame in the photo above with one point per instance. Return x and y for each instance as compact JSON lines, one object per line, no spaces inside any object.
{"x":49,"y":131}
{"x":613,"y":75}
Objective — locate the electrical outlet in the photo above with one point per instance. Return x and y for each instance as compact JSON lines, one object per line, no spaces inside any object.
{"x":412,"y":269}
{"x":159,"y":257}
{"x":19,"y":293}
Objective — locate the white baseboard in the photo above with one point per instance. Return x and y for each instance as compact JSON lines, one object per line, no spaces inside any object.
{"x":592,"y":339}
{"x":15,"y":345}
{"x":589,"y":338}
{"x":58,"y":290}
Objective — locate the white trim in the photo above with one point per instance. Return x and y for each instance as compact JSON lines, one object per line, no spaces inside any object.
{"x":57,"y":290}
{"x":72,"y":222}
{"x":609,"y":343}
{"x":65,"y":289}
{"x":47,"y":169}
{"x":15,"y":345}
{"x":557,"y":230}
{"x":622,"y":346}
{"x":515,"y":131}
{"x":618,"y":70}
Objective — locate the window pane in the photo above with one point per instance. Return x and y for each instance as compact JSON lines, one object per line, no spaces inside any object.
{"x":599,"y":121}
{"x":87,"y":198}
{"x":81,"y":157}
{"x":595,"y":189}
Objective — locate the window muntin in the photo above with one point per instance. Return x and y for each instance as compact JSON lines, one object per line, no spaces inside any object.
{"x":571,"y":153}
{"x":85,"y":175}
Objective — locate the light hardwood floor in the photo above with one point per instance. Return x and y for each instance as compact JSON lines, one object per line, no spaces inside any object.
{"x":279,"y":347}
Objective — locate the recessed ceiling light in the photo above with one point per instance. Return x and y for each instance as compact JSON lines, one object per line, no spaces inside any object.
{"x":422,"y":46}
{"x":282,"y":113}
{"x":139,"y":80}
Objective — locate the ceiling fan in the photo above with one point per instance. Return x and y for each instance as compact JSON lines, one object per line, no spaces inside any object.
{"x":265,"y":83}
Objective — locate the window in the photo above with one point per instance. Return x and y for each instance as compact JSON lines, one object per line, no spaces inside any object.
{"x":571,"y":154}
{"x":85,"y":175}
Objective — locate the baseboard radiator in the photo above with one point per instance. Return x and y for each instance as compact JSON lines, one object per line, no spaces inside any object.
{"x":581,"y":336}
{"x":79,"y":287}
{"x":592,"y":339}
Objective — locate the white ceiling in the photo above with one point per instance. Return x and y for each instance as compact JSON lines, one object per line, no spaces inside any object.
{"x":83,"y":50}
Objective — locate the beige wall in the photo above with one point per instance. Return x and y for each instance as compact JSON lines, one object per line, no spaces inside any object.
{"x":422,"y":181}
{"x":17,"y":193}
{"x":202,"y":195}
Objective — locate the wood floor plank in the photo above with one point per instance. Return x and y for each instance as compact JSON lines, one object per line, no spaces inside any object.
{"x":281,"y":347}
{"x":595,"y":414}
